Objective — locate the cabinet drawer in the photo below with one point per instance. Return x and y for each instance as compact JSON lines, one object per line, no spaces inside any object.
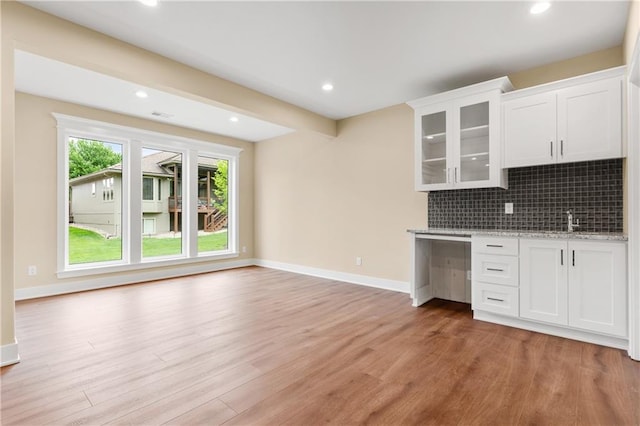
{"x":495,"y":298}
{"x":495,"y":245}
{"x":493,"y":269}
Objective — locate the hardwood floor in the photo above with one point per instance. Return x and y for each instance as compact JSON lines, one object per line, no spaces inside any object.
{"x":257,"y":346}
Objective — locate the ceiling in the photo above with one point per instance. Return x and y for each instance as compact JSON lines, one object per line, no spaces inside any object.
{"x":376,"y":54}
{"x":57,"y":80}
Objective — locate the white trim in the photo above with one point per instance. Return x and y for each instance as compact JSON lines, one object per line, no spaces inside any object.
{"x":366,"y":280}
{"x":9,"y":354}
{"x":101,"y":130}
{"x":503,"y":84}
{"x":567,"y":82}
{"x":633,"y":208}
{"x":146,"y":263}
{"x":568,"y":333}
{"x":131,"y":278}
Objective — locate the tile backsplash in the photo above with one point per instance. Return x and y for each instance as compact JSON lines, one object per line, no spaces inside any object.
{"x":541,"y":195}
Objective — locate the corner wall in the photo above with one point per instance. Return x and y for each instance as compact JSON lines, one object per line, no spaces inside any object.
{"x":323,"y":202}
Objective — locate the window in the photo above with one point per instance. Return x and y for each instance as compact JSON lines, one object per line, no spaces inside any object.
{"x":132,"y":226}
{"x":147,"y":188}
{"x":212,"y":204}
{"x":94,"y":225}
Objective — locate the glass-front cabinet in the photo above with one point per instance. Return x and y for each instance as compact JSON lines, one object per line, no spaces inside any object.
{"x":458,"y":138}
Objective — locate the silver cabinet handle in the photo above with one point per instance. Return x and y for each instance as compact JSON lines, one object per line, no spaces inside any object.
{"x":551,"y":149}
{"x":455,"y":175}
{"x":495,"y":299}
{"x":494,"y":245}
{"x":561,"y":256}
{"x":561,"y":148}
{"x":495,"y":269}
{"x":573,"y":257}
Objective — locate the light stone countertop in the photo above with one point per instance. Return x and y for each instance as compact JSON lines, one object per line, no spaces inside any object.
{"x":557,"y":235}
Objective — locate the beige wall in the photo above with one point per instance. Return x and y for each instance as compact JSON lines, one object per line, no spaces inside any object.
{"x":35,"y":187}
{"x":633,"y":28}
{"x":596,"y":61}
{"x":322,"y":202}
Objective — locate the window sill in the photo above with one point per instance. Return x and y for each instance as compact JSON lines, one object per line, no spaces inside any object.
{"x":145,"y":264}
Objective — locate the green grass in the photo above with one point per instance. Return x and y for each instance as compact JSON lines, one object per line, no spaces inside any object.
{"x":87,"y":246}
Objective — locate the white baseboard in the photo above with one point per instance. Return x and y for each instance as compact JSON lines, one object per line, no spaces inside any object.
{"x":569,"y":333}
{"x":9,"y":354}
{"x":156,"y":274}
{"x":383,"y":283}
{"x":128,"y":278}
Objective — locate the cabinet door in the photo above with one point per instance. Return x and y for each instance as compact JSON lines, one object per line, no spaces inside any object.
{"x":477,"y":161}
{"x":433,"y":144}
{"x":530,"y":130}
{"x":543,"y":280}
{"x":590,"y":121}
{"x":598,"y":287}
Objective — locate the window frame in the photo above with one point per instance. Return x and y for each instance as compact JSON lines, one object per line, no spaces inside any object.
{"x":132,"y":141}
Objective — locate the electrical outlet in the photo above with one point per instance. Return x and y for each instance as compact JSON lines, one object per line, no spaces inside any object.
{"x":244,"y":249}
{"x":358,"y":261}
{"x":508,"y":208}
{"x":32,"y":270}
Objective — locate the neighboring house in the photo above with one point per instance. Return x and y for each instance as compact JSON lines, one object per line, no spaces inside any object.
{"x":95,"y":199}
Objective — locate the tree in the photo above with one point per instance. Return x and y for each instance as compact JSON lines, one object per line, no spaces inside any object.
{"x":221,"y":190}
{"x":87,"y":156}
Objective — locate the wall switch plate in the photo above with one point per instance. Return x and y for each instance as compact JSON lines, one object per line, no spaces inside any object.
{"x":358,"y":261}
{"x":32,"y":270}
{"x":508,"y":208}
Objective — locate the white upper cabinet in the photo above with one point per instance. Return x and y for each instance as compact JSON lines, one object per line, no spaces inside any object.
{"x":577,"y":119}
{"x":457,"y":138}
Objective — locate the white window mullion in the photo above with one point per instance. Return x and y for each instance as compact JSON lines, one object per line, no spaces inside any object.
{"x":63,"y":199}
{"x":190,"y":204}
{"x":232,"y":204}
{"x":134,"y":200}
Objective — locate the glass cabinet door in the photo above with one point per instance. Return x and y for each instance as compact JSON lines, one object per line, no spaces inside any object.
{"x":474,"y":143}
{"x":434,"y":148}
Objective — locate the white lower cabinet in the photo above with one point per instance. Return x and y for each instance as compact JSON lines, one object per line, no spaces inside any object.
{"x":580,"y":284}
{"x":494,"y":269}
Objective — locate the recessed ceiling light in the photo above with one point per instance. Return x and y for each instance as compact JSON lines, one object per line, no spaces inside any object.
{"x":474,"y":158}
{"x":150,"y":3}
{"x":486,"y":165}
{"x":234,"y":119}
{"x":327,"y":87}
{"x":539,"y":7}
{"x":142,"y":94}
{"x":429,"y":137}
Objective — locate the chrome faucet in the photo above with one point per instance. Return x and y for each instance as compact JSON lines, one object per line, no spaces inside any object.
{"x":570,"y":224}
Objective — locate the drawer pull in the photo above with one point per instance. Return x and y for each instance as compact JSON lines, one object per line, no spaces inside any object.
{"x":495,"y":299}
{"x":494,"y":245}
{"x":495,"y":269}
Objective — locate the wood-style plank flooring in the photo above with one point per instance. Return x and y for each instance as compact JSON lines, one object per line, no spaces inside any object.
{"x":256,"y":346}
